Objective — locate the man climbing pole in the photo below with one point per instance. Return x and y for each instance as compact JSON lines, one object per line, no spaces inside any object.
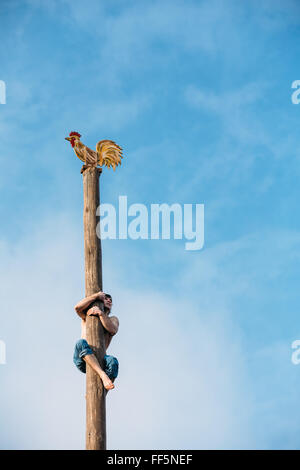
{"x":83,"y":353}
{"x":98,"y":328}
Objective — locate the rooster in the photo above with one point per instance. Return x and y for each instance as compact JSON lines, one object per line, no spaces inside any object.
{"x":107,"y":152}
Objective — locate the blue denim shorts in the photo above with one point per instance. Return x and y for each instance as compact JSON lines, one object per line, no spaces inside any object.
{"x":82,"y":348}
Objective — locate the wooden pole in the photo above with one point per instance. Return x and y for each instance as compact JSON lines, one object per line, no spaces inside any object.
{"x":95,"y":392}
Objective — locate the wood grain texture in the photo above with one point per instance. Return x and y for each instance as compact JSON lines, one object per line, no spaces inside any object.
{"x":95,"y":392}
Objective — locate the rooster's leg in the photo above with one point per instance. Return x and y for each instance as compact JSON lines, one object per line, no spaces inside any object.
{"x":84,"y":167}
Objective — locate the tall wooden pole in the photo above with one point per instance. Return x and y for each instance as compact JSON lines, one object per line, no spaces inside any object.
{"x":109,"y":154}
{"x":95,"y":392}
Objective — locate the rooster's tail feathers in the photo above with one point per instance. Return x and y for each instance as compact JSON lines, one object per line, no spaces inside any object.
{"x":109,"y":153}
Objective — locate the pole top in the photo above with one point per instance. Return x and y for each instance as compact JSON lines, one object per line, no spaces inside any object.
{"x":85,"y":168}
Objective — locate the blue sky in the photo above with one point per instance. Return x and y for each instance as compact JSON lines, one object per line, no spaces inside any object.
{"x":198,"y":94}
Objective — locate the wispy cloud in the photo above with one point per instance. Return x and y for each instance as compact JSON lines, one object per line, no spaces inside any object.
{"x":183,"y":358}
{"x":170,"y":363}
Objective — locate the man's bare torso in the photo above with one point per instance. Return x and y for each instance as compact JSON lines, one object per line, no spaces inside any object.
{"x":107,"y":335}
{"x":85,"y":308}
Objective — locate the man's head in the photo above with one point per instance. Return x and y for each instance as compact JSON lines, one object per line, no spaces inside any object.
{"x":107,"y":302}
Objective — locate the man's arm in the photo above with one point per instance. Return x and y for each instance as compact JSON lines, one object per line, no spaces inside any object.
{"x":111,"y":324}
{"x":84,"y":303}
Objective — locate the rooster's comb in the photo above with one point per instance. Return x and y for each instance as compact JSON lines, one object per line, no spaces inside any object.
{"x":74,"y":133}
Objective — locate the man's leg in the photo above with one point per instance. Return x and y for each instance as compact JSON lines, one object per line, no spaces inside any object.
{"x":93,"y":362}
{"x":84,"y":354}
{"x":111,"y":366}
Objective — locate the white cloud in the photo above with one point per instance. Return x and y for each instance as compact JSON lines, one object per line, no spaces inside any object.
{"x":181,"y":375}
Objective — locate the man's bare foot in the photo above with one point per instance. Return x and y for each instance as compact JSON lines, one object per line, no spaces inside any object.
{"x":107,"y":383}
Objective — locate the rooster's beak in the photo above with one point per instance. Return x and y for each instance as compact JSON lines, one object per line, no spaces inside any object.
{"x":67,"y":138}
